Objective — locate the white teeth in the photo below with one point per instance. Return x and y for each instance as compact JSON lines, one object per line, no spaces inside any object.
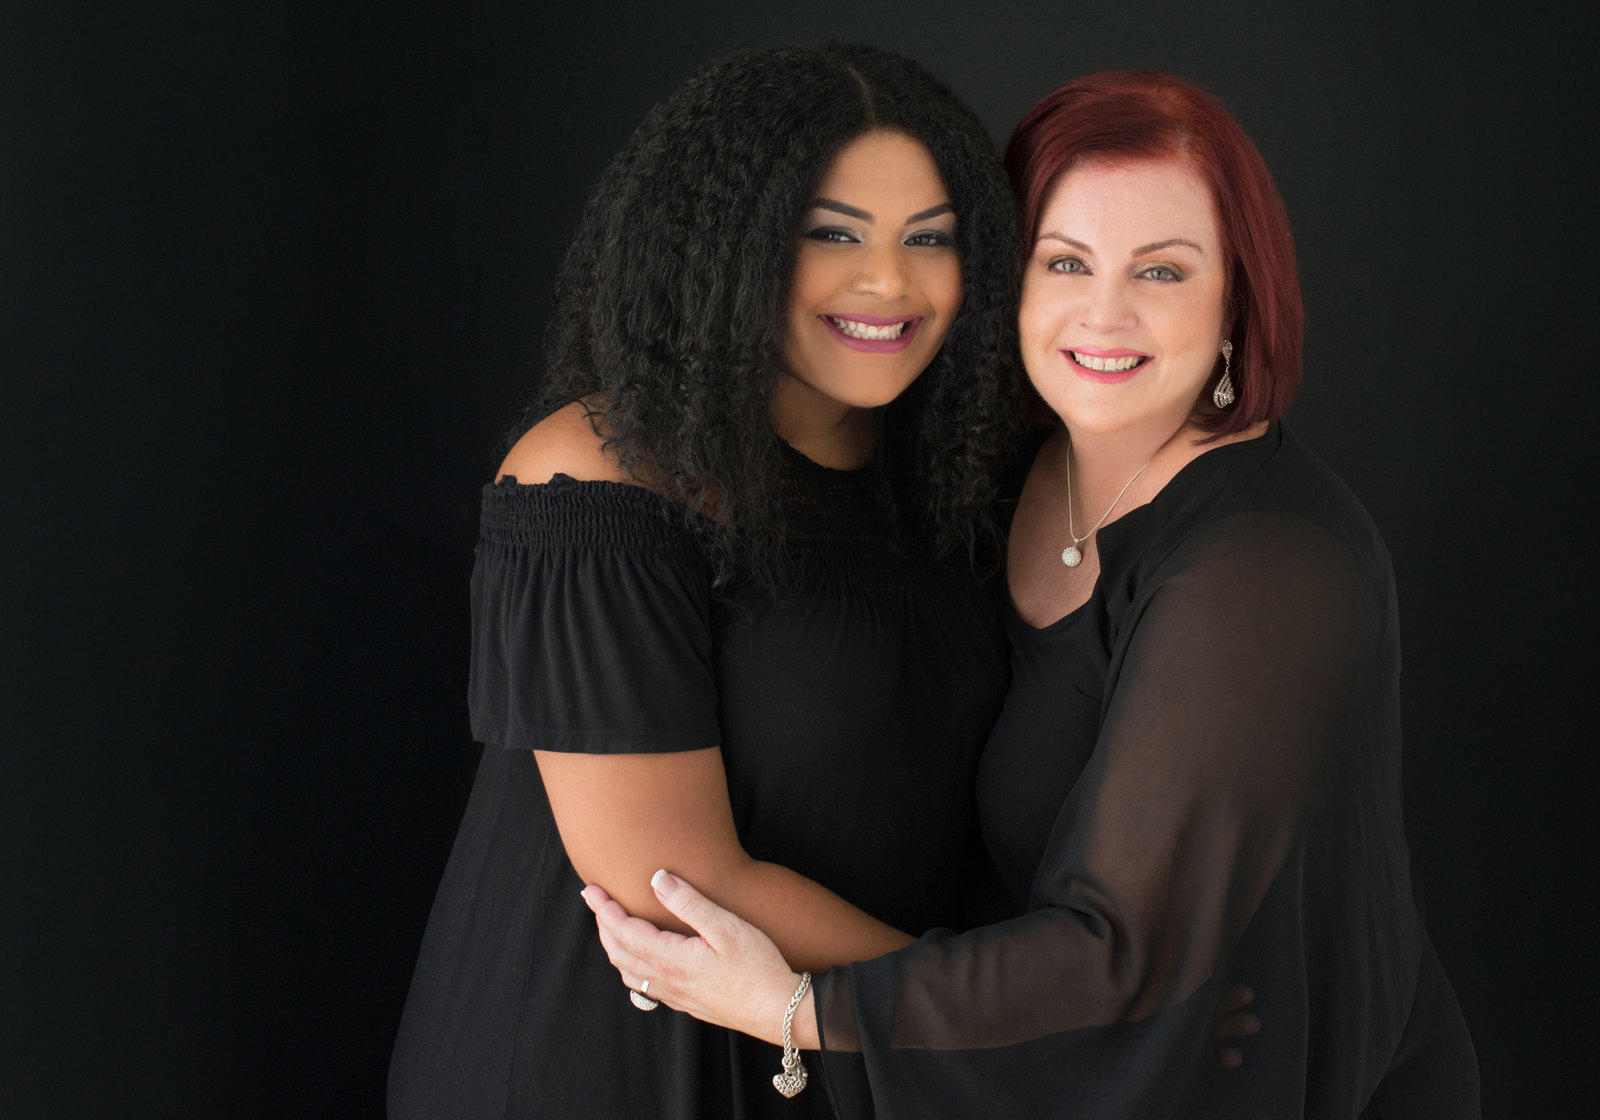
{"x":1114,"y":365}
{"x":870,"y":334}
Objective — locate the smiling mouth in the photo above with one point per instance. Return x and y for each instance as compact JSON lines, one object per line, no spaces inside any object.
{"x":1108,"y":365}
{"x":867,"y":332}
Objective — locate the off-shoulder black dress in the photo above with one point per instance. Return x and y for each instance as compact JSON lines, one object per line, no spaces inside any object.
{"x":850,"y":714}
{"x":1195,"y":781}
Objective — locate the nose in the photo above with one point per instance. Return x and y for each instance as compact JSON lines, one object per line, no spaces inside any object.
{"x":882,"y":273}
{"x":1107,"y":307}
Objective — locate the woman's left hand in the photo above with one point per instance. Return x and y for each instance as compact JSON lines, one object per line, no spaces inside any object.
{"x":730,"y":975}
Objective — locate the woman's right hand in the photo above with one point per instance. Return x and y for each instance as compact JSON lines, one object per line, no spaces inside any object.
{"x":730,"y":975}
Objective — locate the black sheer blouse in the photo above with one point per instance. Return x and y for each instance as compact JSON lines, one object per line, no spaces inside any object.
{"x":1195,"y":781}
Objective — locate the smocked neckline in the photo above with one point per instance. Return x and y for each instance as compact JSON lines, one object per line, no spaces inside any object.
{"x":835,"y":515}
{"x":563,"y":481}
{"x":800,"y":459}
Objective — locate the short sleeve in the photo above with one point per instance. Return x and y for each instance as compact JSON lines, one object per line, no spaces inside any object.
{"x":590,"y":622}
{"x":1237,"y":696}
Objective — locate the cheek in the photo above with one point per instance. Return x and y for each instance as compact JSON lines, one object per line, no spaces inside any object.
{"x":1201,"y":316}
{"x":1036,"y":322}
{"x":794,"y":339}
{"x":812,"y":282}
{"x":799,"y":332}
{"x":1197,"y":330}
{"x":945,"y":290}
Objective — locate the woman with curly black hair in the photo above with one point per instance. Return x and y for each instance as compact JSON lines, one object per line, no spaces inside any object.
{"x":725,"y":608}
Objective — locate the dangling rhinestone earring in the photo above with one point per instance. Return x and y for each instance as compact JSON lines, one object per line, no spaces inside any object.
{"x":1222,"y":395}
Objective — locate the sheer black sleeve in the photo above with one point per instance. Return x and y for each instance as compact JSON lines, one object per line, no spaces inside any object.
{"x":1238,"y":697}
{"x":590,"y":622}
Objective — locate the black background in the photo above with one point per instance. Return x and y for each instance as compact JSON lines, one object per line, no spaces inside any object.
{"x":274,"y":278}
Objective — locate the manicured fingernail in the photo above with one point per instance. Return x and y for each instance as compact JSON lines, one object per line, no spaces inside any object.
{"x":584,"y":894}
{"x":663,"y":882}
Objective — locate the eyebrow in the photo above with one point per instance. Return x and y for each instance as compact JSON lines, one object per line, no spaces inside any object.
{"x":1169,"y":242}
{"x":1139,"y":252}
{"x":856,"y":212}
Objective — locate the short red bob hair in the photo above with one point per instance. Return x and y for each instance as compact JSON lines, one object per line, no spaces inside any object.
{"x":1128,"y":115}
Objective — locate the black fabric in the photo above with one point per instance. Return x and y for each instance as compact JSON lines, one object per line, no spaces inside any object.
{"x":1195,"y":781}
{"x":850,"y":713}
{"x":556,"y":666}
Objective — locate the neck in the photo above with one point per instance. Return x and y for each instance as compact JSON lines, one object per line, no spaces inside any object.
{"x":1102,"y":462}
{"x":823,"y":430}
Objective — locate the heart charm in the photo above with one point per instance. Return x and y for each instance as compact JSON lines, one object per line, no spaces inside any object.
{"x":790,"y":1083}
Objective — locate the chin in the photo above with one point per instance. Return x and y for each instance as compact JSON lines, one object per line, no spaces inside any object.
{"x":874,"y":392}
{"x":1105,"y":413}
{"x":875,"y":400}
{"x":1089,"y":420}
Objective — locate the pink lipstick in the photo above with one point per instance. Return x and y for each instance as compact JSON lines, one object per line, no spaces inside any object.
{"x":874,"y":345}
{"x":1104,"y":376}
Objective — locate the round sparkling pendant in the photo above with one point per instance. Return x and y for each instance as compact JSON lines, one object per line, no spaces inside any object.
{"x":1071,"y":557}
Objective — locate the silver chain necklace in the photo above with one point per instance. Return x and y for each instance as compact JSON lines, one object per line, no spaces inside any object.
{"x":1071,"y":556}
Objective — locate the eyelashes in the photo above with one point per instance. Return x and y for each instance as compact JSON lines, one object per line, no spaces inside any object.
{"x":839,"y":235}
{"x":1157,"y":273}
{"x":835,"y":234}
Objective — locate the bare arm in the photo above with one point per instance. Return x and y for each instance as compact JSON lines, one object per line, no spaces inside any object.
{"x":621,"y":816}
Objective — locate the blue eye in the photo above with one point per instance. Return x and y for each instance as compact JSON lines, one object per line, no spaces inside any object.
{"x":835,"y":234}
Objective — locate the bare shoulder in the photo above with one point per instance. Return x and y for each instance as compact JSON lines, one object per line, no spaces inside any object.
{"x":569,"y":442}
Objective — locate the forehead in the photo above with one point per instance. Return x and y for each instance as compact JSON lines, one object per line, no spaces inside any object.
{"x":1143,"y":201}
{"x":883,"y":162}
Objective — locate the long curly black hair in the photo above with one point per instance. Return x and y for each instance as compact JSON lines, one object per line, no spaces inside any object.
{"x":671,"y":300}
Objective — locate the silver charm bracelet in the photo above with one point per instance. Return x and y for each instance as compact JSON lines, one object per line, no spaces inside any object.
{"x":794,"y":1075}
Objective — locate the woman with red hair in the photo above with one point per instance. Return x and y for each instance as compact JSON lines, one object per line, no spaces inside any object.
{"x":1195,"y":779}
